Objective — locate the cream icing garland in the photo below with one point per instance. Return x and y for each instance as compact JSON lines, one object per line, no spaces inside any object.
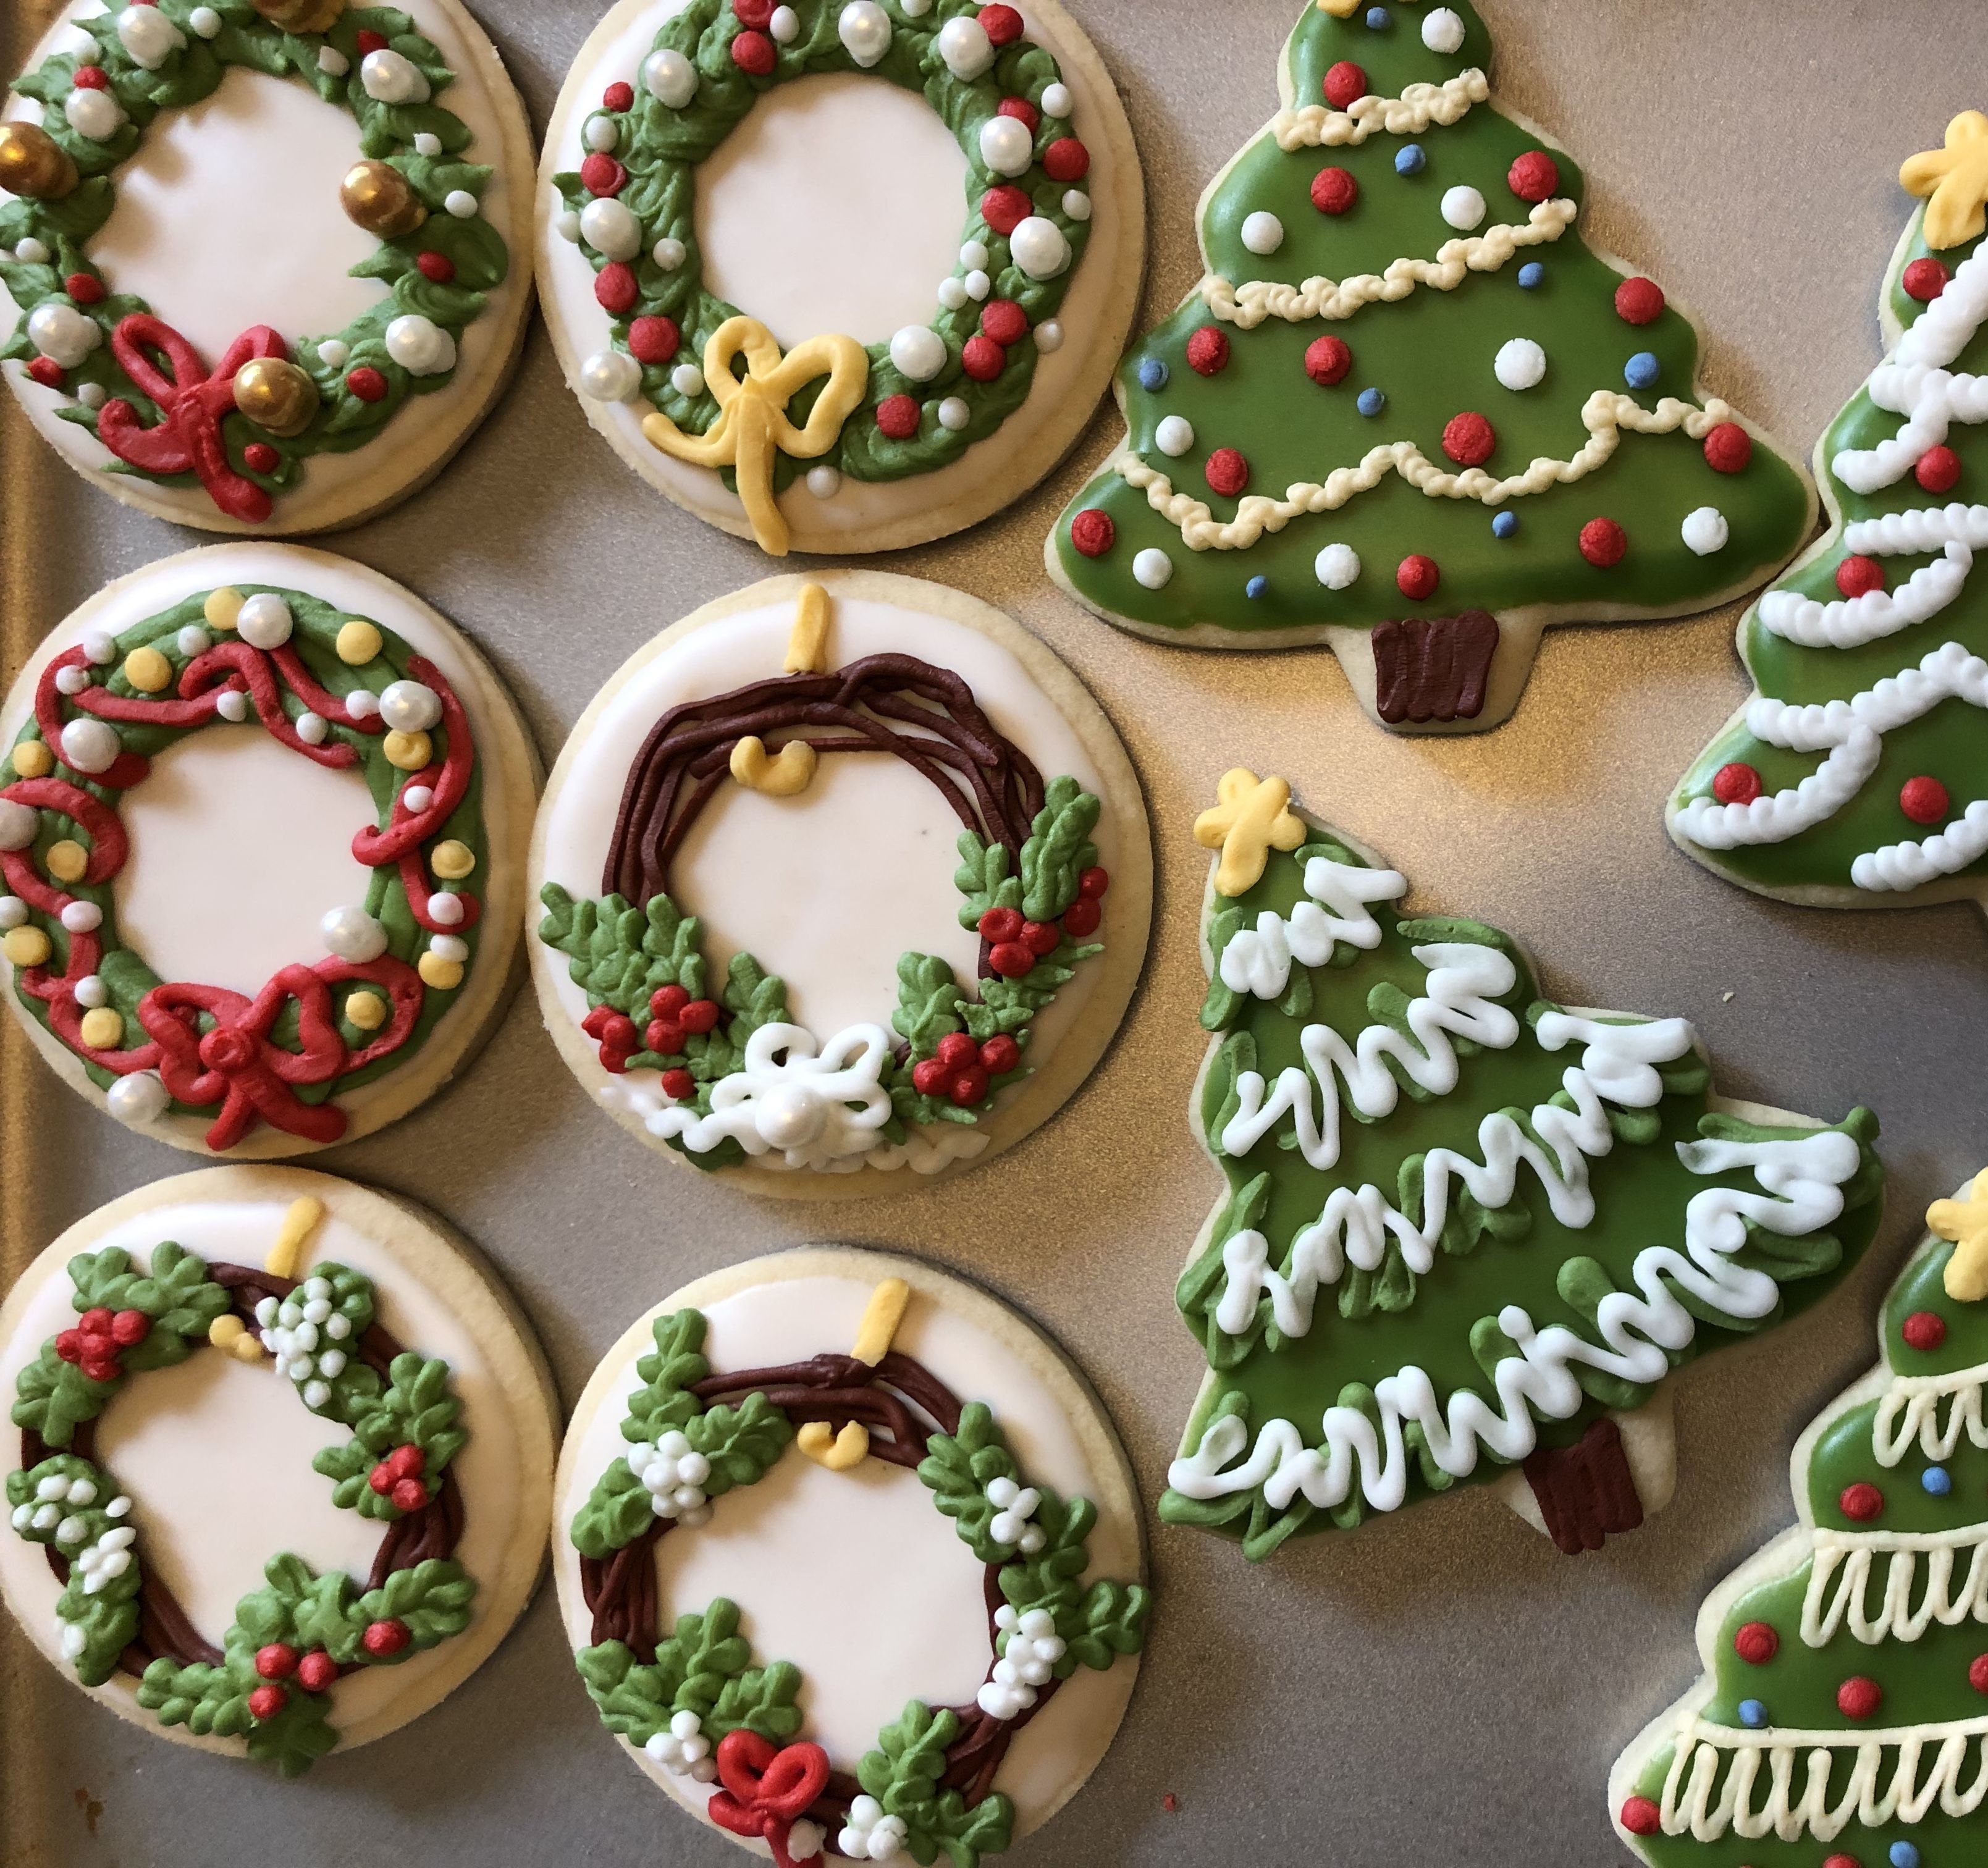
{"x":1419,"y":107}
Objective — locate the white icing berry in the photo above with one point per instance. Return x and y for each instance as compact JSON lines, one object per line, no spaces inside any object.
{"x":1442,"y":31}
{"x":31,"y":252}
{"x":332,"y":63}
{"x":977,"y":285}
{"x":670,"y":77}
{"x":869,"y":1835}
{"x":351,"y":933}
{"x":461,"y":204}
{"x":1337,"y":566}
{"x":1006,"y":147}
{"x":334,"y":353}
{"x":914,"y":9}
{"x":610,"y":376}
{"x":92,"y":395}
{"x":294,"y":1331}
{"x":1520,"y":364}
{"x":409,"y":707}
{"x":89,"y":746}
{"x":419,"y":346}
{"x":1056,"y":101}
{"x":91,"y":991}
{"x":805,"y":1839}
{"x":1262,"y":232}
{"x":311,"y":729}
{"x":601,"y":133}
{"x":137,"y":1099}
{"x":72,"y":680}
{"x":954,"y":414}
{"x":388,"y":78}
{"x":1048,"y":337}
{"x":566,"y":223}
{"x":823,"y":482}
{"x":61,"y":333}
{"x":362,"y":703}
{"x":864,"y":29}
{"x":81,"y":916}
{"x":1014,"y":1505}
{"x":232,"y":705}
{"x":95,"y":114}
{"x":100,"y":646}
{"x":418,"y":798}
{"x":1705,"y":531}
{"x":964,"y":45}
{"x":205,"y":21}
{"x":18,"y":824}
{"x":1153,"y":568}
{"x":427,"y":142}
{"x":951,"y":293}
{"x":102,"y":1562}
{"x":668,"y":254}
{"x":193,"y":641}
{"x":1038,"y":246}
{"x":784,"y":25}
{"x":918,"y":353}
{"x":611,"y":229}
{"x":448,"y":947}
{"x":148,"y":35}
{"x":265,"y":621}
{"x":1077,"y":205}
{"x":684,"y":1748}
{"x":673,"y":1474}
{"x":974,"y":256}
{"x":1175,"y":435}
{"x":446,"y":909}
{"x":1029,"y":1652}
{"x":687,"y":380}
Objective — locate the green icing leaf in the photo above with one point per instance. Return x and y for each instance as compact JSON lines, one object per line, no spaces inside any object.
{"x":903,"y":1773}
{"x":1059,"y":849}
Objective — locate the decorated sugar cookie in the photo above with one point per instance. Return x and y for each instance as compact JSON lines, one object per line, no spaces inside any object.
{"x":265,"y":262}
{"x":1409,"y":412}
{"x":1855,"y":777}
{"x":844,"y":884}
{"x":850,"y":1559}
{"x":761,"y":283}
{"x":328,"y":1347}
{"x":1468,"y":1232}
{"x":1841,"y":1716}
{"x":263,"y":817}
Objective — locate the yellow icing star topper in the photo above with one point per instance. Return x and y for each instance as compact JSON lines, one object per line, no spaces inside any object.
{"x":1965,"y":1221}
{"x":1956,"y":181}
{"x":1251,"y":818}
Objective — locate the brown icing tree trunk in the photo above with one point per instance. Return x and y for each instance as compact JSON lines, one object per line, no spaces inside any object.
{"x":1434,"y":670}
{"x":1587,"y":1493}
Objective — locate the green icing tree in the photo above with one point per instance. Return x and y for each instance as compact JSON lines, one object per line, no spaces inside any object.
{"x":1349,"y":431}
{"x":1466,"y":1230}
{"x":1844,"y":1710}
{"x":1883,"y":798}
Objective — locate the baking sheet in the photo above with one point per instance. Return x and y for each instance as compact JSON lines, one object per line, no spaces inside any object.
{"x":1443,"y":1688}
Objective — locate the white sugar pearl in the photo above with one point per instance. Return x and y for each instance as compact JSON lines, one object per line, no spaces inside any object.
{"x":332,"y":63}
{"x":601,"y":133}
{"x":315,"y":1394}
{"x":670,"y":77}
{"x":427,"y":143}
{"x":81,"y":916}
{"x":1337,"y":566}
{"x":914,"y":9}
{"x":419,"y":346}
{"x":13,"y":913}
{"x":31,"y":252}
{"x":91,"y":992}
{"x":952,"y":293}
{"x":1048,"y":337}
{"x":610,"y":376}
{"x":137,"y":1098}
{"x":1039,"y":247}
{"x":388,"y":78}
{"x":304,"y":1336}
{"x":418,"y":798}
{"x":148,"y":35}
{"x":193,"y":641}
{"x":232,"y":705}
{"x":18,"y":823}
{"x":334,"y":353}
{"x":265,"y":1311}
{"x":265,"y":621}
{"x":823,"y":482}
{"x":90,"y":745}
{"x":1006,"y":147}
{"x":61,"y":333}
{"x":1175,"y":435}
{"x":72,"y":680}
{"x":351,"y":933}
{"x":448,"y":946}
{"x":92,"y":395}
{"x":459,"y":203}
{"x":317,"y":1309}
{"x":409,"y":707}
{"x":965,"y":46}
{"x":974,"y":256}
{"x":311,"y":729}
{"x":446,"y":909}
{"x":668,"y":254}
{"x":566,"y":223}
{"x":954,"y":414}
{"x":610,"y":228}
{"x":1463,"y":207}
{"x":205,"y":20}
{"x":100,"y":646}
{"x":331,"y":1364}
{"x":1056,"y":101}
{"x":1262,"y":232}
{"x":1002,"y":1492}
{"x":119,"y":1507}
{"x":1442,"y":31}
{"x":1705,"y":531}
{"x":1077,"y":205}
{"x":95,"y":114}
{"x":918,"y":352}
{"x":864,"y":29}
{"x":784,"y":25}
{"x":687,"y":380}
{"x":976,"y":284}
{"x":1520,"y":364}
{"x":1153,"y":568}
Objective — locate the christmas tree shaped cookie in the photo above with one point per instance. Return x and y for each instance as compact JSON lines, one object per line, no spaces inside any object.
{"x":1408,"y":411}
{"x":1857,"y":775}
{"x":1843,"y":1712}
{"x":1467,"y":1232}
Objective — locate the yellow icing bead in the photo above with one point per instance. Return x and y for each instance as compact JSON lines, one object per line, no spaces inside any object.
{"x":222,"y":607}
{"x":443,"y":975}
{"x":103,"y":1029}
{"x":25,"y":947}
{"x":358,"y":643}
{"x":285,"y":1257}
{"x":32,"y":759}
{"x":247,"y":1348}
{"x":366,"y":1010}
{"x":226,"y":1330}
{"x":147,"y":670}
{"x":452,"y":860}
{"x":66,"y":861}
{"x":410,"y":751}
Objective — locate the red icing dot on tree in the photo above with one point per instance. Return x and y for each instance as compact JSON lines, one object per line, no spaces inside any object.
{"x":260,"y":458}
{"x":897,"y":416}
{"x":1417,"y":577}
{"x":1345,"y":83}
{"x":757,"y":14}
{"x":601,"y":174}
{"x":1334,"y":191}
{"x":1925,"y":800}
{"x":84,"y":288}
{"x":1004,"y":208}
{"x":1228,"y":472}
{"x":367,"y":383}
{"x":45,"y":371}
{"x":614,"y":287}
{"x":1004,"y":321}
{"x":1469,"y":439}
{"x":1022,"y":111}
{"x":1728,"y":448}
{"x":1208,"y":351}
{"x":982,"y":359}
{"x":1861,"y":1502}
{"x":1977,"y":1674}
{"x":1094,"y":533}
{"x":1736,"y":784}
{"x":384,"y":1639}
{"x":1938,"y":470}
{"x":1066,"y":159}
{"x":618,"y":97}
{"x":1002,"y":24}
{"x":1925,"y":279}
{"x":1603,"y":543}
{"x":266,"y":1702}
{"x":1756,"y":1643}
{"x":1859,"y":1698}
{"x":754,"y":54}
{"x":91,"y":78}
{"x":316,"y":1671}
{"x":1327,"y":359}
{"x":1924,"y":1330}
{"x":437,"y":267}
{"x":653,"y":340}
{"x":1856,"y":577}
{"x":1639,"y":301}
{"x":1534,"y":176}
{"x":1642,"y":1817}
{"x":275,"y":1661}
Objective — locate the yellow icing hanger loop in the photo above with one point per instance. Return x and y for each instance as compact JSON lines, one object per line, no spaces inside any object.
{"x":285,"y":1257}
{"x":1965,"y":1222}
{"x":753,"y":424}
{"x":1252,"y":817}
{"x":1954,"y":179}
{"x":807,"y":641}
{"x":840,"y":1452}
{"x":785,"y":774}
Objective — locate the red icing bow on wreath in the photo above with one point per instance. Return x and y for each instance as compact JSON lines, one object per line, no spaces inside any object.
{"x":193,"y":404}
{"x":768,"y":1789}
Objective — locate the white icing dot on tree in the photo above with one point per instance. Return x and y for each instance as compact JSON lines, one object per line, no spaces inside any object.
{"x":205,"y":21}
{"x":784,"y":25}
{"x":1520,"y":364}
{"x":951,"y":293}
{"x":265,"y":621}
{"x":335,"y":353}
{"x":1153,"y":568}
{"x":1337,"y":566}
{"x":13,"y":913}
{"x":671,"y":79}
{"x":1442,"y":31}
{"x":459,"y":203}
{"x":1077,"y":205}
{"x":148,"y":35}
{"x":1705,"y":531}
{"x":1463,"y":207}
{"x":1175,"y":435}
{"x":611,"y":229}
{"x":1263,"y":233}
{"x":601,"y":133}
{"x":1038,"y":247}
{"x":918,"y":352}
{"x":448,"y":947}
{"x":610,"y":376}
{"x":81,"y":916}
{"x":864,"y":29}
{"x":1006,"y":147}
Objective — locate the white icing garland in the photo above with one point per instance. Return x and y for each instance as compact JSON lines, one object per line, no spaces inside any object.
{"x":1839,"y":1584}
{"x":1910,"y":1411}
{"x":1418,"y":107}
{"x":1258,"y":960}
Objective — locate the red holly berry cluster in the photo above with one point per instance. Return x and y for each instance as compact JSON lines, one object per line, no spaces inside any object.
{"x":314,"y":1671}
{"x":97,"y":1343}
{"x":962,"y":1071}
{"x":398,"y":1477}
{"x":675,"y":1017}
{"x":1017,"y":943}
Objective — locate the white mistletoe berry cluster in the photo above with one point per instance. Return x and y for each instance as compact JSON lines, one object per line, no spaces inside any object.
{"x":106,"y":1559}
{"x":870,"y":1835}
{"x":1028,"y":1662}
{"x":303,"y":1333}
{"x":1014,"y":1505}
{"x":684,"y":1748}
{"x":48,"y":1509}
{"x":674,"y":1473}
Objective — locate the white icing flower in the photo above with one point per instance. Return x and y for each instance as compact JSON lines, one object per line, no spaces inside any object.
{"x":684,"y":1748}
{"x":1014,"y":1505}
{"x":674,"y":1473}
{"x":870,"y":1835}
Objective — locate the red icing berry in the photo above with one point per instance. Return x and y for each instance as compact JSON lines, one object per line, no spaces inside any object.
{"x":1208,"y":351}
{"x":1011,"y":959}
{"x":969,"y":1087}
{"x":982,"y":359}
{"x":1925,"y":279}
{"x":701,"y":1015}
{"x":129,"y":1327}
{"x":260,"y":458}
{"x":383,"y":1639}
{"x":46,"y":371}
{"x":757,"y":14}
{"x":1004,"y":321}
{"x":653,"y":340}
{"x":1736,"y":784}
{"x":1858,"y":576}
{"x":84,"y":288}
{"x":1093,"y":532}
{"x":897,"y":416}
{"x":370,"y":41}
{"x":96,"y":1322}
{"x":1469,"y":439}
{"x":1228,"y":472}
{"x":1603,"y":543}
{"x":101,"y":1368}
{"x":436,"y":266}
{"x":956,"y":1050}
{"x":1002,"y":24}
{"x":1005,"y":207}
{"x":614,"y":287}
{"x":1327,"y":359}
{"x":1924,"y":1330}
{"x":410,"y":1494}
{"x":407,"y":1461}
{"x":1041,"y":938}
{"x":1639,"y":301}
{"x":1756,"y":1643}
{"x":1417,"y":577}
{"x":266,"y":1702}
{"x":68,"y":1346}
{"x":618,"y":97}
{"x":667,"y":1001}
{"x":1000,"y":924}
{"x":1925,"y":800}
{"x":1334,"y":191}
{"x":754,"y":54}
{"x":1022,"y":111}
{"x":1938,"y":470}
{"x":381,"y":1478}
{"x":1081,"y":919}
{"x":275,"y":1661}
{"x":601,"y":174}
{"x":679,"y":1085}
{"x":1642,"y":1817}
{"x":367,"y":383}
{"x":1534,"y":176}
{"x":1977,"y":1674}
{"x":1728,"y":448}
{"x":1859,"y":1698}
{"x":1345,"y":83}
{"x":1861,"y":1502}
{"x":316,"y":1671}
{"x":998,"y":1055}
{"x":1066,"y":159}
{"x":1093,"y":883}
{"x":91,"y":78}
{"x":1842,"y":1861}
{"x":930,"y":1078}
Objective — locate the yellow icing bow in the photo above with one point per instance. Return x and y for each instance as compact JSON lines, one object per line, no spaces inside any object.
{"x":1252,"y":817}
{"x":1965,"y":1222}
{"x":1955,"y":179}
{"x":840,"y":1452}
{"x":752,"y":423}
{"x":785,"y":774}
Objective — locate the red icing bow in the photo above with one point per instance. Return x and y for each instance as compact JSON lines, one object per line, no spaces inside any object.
{"x":187,"y":439}
{"x":767,"y":1789}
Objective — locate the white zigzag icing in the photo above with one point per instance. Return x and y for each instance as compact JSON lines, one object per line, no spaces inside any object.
{"x":1258,"y":960}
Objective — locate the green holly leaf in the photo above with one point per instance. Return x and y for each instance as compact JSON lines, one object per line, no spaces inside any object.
{"x":433,"y":1599}
{"x":296,"y":1737}
{"x":1051,"y":1578}
{"x":676,"y":1365}
{"x":54,"y":1397}
{"x":327,"y":1616}
{"x":741,"y":1442}
{"x":210,"y":1702}
{"x":982,"y":878}
{"x":634,"y":1701}
{"x":929,"y":1002}
{"x":958,"y":1469}
{"x":1110,"y":1621}
{"x":617,"y":1512}
{"x":1059,"y":849}
{"x":760,"y":1700}
{"x":903,"y":1772}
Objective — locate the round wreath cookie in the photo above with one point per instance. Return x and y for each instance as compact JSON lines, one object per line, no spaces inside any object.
{"x":765,"y":1598}
{"x":263,"y":816}
{"x":401,"y":1478}
{"x":264,"y":262}
{"x":827,"y":974}
{"x":761,"y":283}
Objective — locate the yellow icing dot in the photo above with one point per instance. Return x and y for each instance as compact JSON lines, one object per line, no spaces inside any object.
{"x":224,"y":1330}
{"x":25,"y":947}
{"x":222,"y":607}
{"x":443,"y":975}
{"x":366,"y":1010}
{"x":409,"y":751}
{"x":147,"y":670}
{"x":32,"y":759}
{"x":358,"y":643}
{"x":103,"y":1029}
{"x":452,"y":860}
{"x":67,"y":860}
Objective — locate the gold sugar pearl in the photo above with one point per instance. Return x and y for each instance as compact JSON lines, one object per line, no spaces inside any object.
{"x":443,"y":975}
{"x":222,"y":607}
{"x":358,"y":643}
{"x":409,"y":751}
{"x":33,"y":165}
{"x":376,"y":196}
{"x":276,"y":395}
{"x":147,"y":670}
{"x":103,"y":1029}
{"x":67,"y":860}
{"x":366,"y":1010}
{"x":29,"y":947}
{"x":32,"y":759}
{"x":452,"y":860}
